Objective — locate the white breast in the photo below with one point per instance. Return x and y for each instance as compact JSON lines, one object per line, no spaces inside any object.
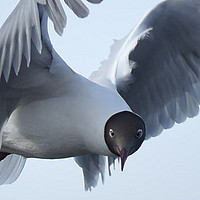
{"x":63,"y":126}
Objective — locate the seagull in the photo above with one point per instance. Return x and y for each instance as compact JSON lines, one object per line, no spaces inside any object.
{"x":149,"y":83}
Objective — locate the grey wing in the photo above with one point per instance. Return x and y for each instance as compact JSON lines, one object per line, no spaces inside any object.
{"x":156,"y":67}
{"x":165,"y":87}
{"x":25,"y":57}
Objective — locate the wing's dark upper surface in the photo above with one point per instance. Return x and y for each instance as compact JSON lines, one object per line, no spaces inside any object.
{"x":164,"y":86}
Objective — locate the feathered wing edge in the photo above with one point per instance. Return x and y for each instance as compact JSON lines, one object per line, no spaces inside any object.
{"x":23,"y":26}
{"x":110,"y":71}
{"x":22,"y":29}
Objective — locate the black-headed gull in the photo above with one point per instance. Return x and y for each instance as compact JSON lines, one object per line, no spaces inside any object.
{"x":51,"y":112}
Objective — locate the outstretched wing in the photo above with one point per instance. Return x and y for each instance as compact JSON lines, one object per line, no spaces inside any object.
{"x":156,"y":68}
{"x":26,"y":55}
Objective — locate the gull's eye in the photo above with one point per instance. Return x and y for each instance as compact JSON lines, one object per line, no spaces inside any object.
{"x":111,"y":133}
{"x":139,"y":133}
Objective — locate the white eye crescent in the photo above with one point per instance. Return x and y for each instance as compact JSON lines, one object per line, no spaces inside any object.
{"x":139,"y":133}
{"x":111,"y":133}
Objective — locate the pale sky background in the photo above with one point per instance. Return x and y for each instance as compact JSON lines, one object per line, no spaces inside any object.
{"x":165,"y":168}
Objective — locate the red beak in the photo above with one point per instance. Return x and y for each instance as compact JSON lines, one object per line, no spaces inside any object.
{"x":124,"y":156}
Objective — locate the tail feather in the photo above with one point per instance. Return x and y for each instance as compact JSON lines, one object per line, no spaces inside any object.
{"x":93,"y":166}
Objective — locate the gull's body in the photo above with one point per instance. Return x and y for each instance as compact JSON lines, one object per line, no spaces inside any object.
{"x":24,"y":116}
{"x":55,"y":123}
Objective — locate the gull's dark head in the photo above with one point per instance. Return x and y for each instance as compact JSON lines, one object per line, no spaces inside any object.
{"x":124,"y":133}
